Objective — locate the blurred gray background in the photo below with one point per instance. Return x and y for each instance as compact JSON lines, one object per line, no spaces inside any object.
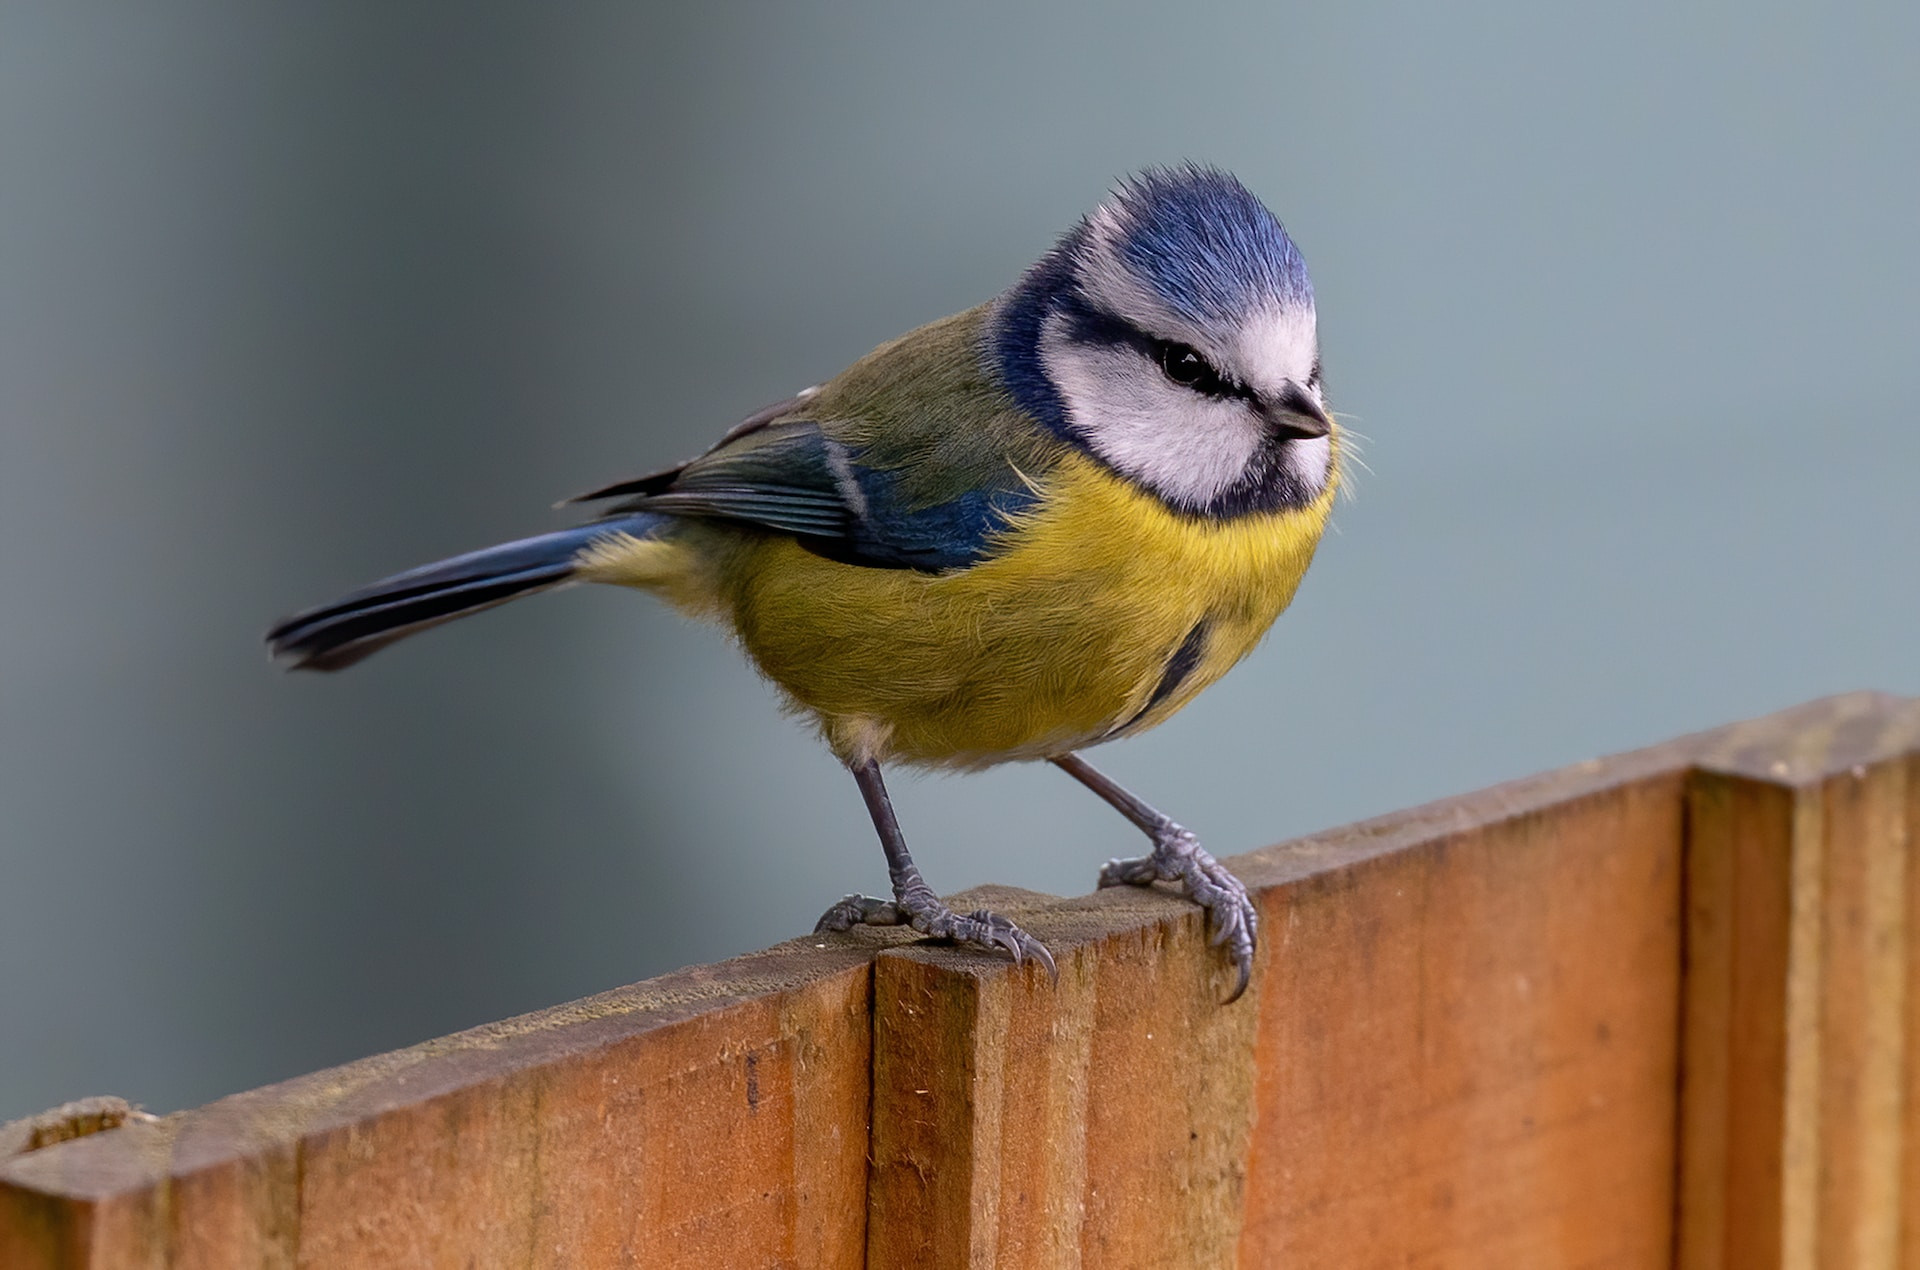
{"x":292,"y":297}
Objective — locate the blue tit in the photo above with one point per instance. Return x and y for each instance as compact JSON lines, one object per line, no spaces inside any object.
{"x":1040,"y":524}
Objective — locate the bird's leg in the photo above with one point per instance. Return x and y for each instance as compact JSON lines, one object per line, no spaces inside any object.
{"x":914,"y":903}
{"x":1177,"y":856}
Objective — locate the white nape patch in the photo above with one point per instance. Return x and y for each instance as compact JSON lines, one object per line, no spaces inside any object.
{"x":1187,"y":448}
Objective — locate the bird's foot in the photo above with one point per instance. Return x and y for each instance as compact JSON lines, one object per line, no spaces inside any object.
{"x":921,"y":909}
{"x":1178,"y":857}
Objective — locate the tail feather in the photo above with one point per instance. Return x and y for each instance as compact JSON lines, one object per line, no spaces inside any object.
{"x":337,"y":635}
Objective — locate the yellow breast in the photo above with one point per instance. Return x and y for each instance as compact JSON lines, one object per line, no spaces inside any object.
{"x":1059,"y":640}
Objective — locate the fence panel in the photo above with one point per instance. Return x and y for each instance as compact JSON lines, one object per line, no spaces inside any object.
{"x":1660,"y":1009}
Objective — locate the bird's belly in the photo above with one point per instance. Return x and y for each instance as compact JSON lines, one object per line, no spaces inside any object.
{"x":1102,"y":613}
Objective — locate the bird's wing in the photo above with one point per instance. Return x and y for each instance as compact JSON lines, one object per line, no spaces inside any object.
{"x":819,"y":483}
{"x":914,"y":457}
{"x":654,"y":482}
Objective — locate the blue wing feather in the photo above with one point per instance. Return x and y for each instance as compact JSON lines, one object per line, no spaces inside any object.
{"x":794,"y":477}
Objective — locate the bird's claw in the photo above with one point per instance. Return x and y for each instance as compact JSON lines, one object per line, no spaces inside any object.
{"x":1177,"y":856}
{"x":858,"y":910}
{"x":924,"y":911}
{"x":1135,"y":871}
{"x":987,"y":928}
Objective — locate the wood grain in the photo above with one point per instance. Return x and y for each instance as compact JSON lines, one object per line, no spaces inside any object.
{"x":1467,"y":1051}
{"x":1469,"y":1022}
{"x":1650,"y":1010}
{"x":1909,"y":1200}
{"x":1796,"y":1129}
{"x":1099,"y":1121}
{"x":1734,"y":1031}
{"x":716,"y":1113}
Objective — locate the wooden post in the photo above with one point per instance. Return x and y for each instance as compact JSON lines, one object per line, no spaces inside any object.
{"x":1653,"y":1010}
{"x":1801,"y":1083}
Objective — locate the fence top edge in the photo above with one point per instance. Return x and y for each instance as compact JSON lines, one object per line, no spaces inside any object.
{"x":1797,"y":746}
{"x":273,"y":1117}
{"x":1815,"y":742}
{"x":1800,"y":746}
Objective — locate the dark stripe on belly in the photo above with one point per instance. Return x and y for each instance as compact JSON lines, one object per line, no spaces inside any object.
{"x":1179,"y":666}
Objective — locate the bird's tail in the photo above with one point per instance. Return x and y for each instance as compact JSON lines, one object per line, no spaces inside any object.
{"x":357,"y":625}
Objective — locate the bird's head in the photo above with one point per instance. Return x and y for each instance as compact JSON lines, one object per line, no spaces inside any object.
{"x":1171,"y":335}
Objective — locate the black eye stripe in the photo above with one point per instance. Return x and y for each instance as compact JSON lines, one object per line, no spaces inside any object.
{"x":1088,"y":325}
{"x":1184,"y":365}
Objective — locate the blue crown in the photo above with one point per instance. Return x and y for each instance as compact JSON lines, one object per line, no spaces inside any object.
{"x":1206,"y":246}
{"x":1209,"y":248}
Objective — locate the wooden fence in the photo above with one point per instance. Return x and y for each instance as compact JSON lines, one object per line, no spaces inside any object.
{"x":1655,"y":1010}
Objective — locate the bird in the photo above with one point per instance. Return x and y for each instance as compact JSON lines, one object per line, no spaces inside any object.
{"x":1037,"y":525}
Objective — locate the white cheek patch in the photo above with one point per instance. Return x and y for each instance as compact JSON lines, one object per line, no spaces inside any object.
{"x":1310,"y":463}
{"x":1187,"y":448}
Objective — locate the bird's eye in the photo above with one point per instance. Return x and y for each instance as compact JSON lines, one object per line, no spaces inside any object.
{"x":1184,"y":366}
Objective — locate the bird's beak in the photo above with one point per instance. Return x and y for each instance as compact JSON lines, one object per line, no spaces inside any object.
{"x":1295,"y":415}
